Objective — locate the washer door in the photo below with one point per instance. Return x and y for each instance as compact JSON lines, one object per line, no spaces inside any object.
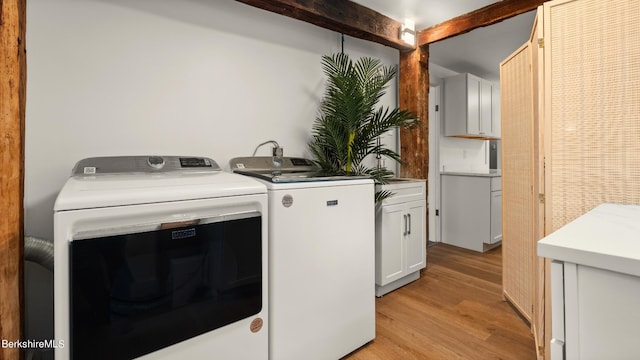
{"x":135,"y":293}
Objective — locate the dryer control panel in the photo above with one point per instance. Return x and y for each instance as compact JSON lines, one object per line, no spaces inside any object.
{"x":143,"y":164}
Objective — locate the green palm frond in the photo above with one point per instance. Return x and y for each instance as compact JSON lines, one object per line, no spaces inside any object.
{"x":350,"y":121}
{"x":382,"y":194}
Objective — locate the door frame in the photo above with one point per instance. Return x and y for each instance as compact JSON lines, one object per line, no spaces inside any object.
{"x":433,"y":192}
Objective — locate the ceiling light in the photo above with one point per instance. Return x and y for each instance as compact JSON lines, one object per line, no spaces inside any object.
{"x":408,"y":32}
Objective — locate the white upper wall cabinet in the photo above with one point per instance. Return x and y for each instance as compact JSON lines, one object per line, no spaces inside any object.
{"x":468,"y":107}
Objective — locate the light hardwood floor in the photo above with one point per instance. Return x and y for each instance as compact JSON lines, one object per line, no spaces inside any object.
{"x":454,"y":311}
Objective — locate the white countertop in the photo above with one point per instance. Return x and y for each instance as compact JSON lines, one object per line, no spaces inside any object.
{"x":607,"y":237}
{"x":490,"y":173}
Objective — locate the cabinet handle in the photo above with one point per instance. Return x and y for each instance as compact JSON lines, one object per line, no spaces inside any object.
{"x":405,"y":225}
{"x":409,"y":228}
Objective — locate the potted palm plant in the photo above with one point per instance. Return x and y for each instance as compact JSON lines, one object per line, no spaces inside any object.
{"x":350,"y":121}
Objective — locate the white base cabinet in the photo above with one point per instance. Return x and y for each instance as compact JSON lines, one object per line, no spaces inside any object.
{"x":595,"y":284}
{"x":594,"y":313}
{"x":471,"y":211}
{"x":401,"y":233}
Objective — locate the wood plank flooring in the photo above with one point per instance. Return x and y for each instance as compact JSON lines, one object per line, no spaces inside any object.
{"x":454,"y":311}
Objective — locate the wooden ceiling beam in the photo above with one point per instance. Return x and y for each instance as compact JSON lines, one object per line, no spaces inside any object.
{"x":485,"y":16}
{"x":345,"y":17}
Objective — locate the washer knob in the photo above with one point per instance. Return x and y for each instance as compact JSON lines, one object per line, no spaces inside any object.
{"x":156,"y":162}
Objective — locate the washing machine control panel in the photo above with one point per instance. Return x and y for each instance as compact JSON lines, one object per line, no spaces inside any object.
{"x":195,"y":162}
{"x":143,"y":164}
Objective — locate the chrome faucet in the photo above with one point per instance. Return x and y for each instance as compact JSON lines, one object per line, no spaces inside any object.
{"x":277,"y":152}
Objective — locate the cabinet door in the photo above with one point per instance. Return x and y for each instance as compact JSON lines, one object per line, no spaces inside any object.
{"x":416,"y":239}
{"x":390,"y":244}
{"x":456,"y":101}
{"x":557,"y":310}
{"x":466,"y":215}
{"x":496,"y":216}
{"x":473,"y":105}
{"x":486,"y":99}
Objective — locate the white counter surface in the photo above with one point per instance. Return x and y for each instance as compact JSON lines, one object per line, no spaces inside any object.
{"x":490,"y":173}
{"x":607,"y":237}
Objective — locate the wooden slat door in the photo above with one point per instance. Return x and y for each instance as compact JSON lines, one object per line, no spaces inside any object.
{"x":518,"y":200}
{"x":537,"y":70}
{"x":591,"y":110}
{"x":592,"y":104}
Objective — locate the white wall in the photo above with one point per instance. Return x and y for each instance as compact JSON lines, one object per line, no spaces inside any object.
{"x":463,"y":155}
{"x":191,"y":77}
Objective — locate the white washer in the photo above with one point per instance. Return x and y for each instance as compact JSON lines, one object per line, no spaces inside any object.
{"x":160,"y":258}
{"x":321,"y":260}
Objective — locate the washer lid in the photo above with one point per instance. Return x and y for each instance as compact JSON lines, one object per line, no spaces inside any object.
{"x":111,"y":186}
{"x":289,"y":171}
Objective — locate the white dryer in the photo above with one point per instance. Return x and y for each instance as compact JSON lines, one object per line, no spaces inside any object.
{"x":321,"y":258}
{"x":160,"y":258}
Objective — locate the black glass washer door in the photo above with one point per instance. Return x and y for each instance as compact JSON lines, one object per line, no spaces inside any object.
{"x":137,"y":293}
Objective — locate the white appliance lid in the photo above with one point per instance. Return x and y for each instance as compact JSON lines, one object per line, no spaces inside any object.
{"x":113,"y":188}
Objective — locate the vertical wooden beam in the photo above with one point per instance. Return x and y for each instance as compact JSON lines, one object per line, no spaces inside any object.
{"x":12,"y":115}
{"x":414,"y":96}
